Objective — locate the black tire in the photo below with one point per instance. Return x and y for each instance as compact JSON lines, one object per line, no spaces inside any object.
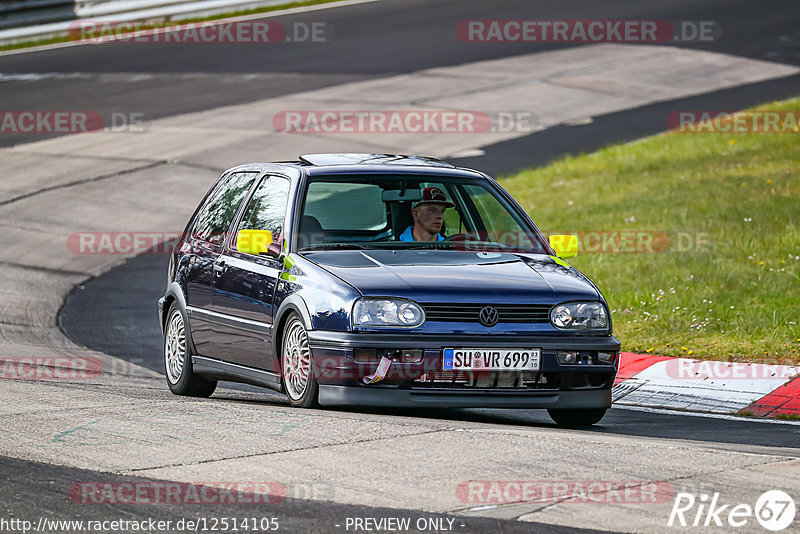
{"x":294,"y":333}
{"x":180,"y":376}
{"x":577,"y":418}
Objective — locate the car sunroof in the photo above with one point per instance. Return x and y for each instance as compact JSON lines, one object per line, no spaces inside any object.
{"x":372,"y":159}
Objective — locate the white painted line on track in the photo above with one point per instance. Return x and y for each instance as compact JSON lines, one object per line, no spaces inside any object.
{"x":134,"y":77}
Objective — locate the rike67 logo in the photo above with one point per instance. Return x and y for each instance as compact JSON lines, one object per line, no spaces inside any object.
{"x":774,"y":510}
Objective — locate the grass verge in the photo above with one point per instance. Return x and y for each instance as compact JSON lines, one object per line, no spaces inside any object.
{"x":722,"y":213}
{"x":220,"y":17}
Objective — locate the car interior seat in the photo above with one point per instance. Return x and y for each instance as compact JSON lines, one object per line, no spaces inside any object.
{"x":311,"y":232}
{"x":401,"y":218}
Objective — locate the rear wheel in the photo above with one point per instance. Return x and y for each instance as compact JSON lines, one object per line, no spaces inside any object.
{"x":178,"y":360}
{"x":299,"y":381}
{"x":577,"y":418}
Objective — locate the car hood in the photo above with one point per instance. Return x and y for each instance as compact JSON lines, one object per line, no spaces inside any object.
{"x":448,"y":276}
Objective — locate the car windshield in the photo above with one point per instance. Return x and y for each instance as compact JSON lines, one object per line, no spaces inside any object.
{"x":399,"y":212}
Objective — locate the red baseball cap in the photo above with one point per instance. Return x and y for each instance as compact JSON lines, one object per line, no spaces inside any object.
{"x":433,"y":195}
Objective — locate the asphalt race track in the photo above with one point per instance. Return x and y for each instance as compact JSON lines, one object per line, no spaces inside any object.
{"x":115,"y":312}
{"x":170,"y":79}
{"x":136,"y":338}
{"x":45,"y":485}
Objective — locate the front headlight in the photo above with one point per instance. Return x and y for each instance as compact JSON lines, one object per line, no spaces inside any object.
{"x":580,"y":316}
{"x":387,"y":312}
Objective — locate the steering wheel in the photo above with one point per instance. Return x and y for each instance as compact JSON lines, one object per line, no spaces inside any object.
{"x":464,"y":241}
{"x":462,"y":237}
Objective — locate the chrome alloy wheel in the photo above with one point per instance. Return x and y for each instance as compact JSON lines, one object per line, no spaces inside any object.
{"x":296,"y":360}
{"x":175,"y":346}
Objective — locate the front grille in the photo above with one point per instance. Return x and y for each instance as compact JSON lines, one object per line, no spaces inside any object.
{"x":489,"y":380}
{"x":469,"y":313}
{"x":444,"y":377}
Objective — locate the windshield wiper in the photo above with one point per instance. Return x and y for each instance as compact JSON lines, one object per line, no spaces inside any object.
{"x":469,"y":246}
{"x":440,"y":245}
{"x":341,"y":246}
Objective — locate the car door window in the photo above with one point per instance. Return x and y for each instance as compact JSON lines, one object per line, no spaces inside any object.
{"x":215,"y":217}
{"x":497,"y":219}
{"x":266,"y":209}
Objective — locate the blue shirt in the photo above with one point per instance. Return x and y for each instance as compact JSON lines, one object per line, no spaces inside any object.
{"x":408,"y":235}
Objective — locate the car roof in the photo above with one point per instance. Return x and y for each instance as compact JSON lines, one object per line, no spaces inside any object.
{"x":358,"y":163}
{"x":362,"y":163}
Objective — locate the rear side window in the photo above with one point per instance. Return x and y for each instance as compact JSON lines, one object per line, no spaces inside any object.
{"x":346,"y":206}
{"x":215,"y":217}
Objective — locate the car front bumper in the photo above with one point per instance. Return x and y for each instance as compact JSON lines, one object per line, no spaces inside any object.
{"x":568,"y":387}
{"x":332,"y":395}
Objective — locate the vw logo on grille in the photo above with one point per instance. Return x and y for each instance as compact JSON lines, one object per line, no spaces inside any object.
{"x":488,"y":316}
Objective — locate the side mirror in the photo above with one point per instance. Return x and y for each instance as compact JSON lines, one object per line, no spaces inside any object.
{"x":565,"y":246}
{"x":274,"y":250}
{"x":257,"y":242}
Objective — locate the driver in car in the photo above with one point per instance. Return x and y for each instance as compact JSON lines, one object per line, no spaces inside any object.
{"x":428,"y":214}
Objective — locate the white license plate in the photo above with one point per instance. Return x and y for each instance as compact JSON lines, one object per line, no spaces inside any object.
{"x":491,"y":359}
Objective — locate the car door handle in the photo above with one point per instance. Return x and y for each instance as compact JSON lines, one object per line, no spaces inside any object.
{"x":219,"y":267}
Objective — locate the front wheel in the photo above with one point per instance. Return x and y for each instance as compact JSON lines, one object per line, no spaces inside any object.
{"x":178,"y":360}
{"x":577,"y":418}
{"x":299,"y":381}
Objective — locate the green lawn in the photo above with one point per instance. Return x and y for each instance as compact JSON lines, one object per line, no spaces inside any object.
{"x":736,"y":298}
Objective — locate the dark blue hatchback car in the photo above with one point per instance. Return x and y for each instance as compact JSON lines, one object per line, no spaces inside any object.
{"x":383,"y":280}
